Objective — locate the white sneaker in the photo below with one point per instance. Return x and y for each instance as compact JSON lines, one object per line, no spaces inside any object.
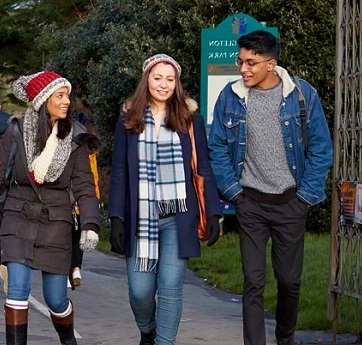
{"x":69,"y":286}
{"x":77,"y":278}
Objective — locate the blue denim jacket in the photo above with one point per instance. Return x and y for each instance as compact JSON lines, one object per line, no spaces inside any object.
{"x":228,"y":139}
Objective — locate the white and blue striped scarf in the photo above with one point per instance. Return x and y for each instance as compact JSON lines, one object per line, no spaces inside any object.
{"x":161,"y":187}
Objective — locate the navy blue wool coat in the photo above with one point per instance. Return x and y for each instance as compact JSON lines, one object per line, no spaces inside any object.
{"x":124,"y":187}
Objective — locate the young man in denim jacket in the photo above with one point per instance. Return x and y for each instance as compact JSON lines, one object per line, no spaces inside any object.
{"x":263,"y":165}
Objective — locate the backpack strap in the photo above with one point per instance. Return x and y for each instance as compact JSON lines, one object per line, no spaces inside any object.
{"x":303,"y":112}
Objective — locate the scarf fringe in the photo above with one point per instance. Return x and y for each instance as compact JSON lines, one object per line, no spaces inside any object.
{"x":170,"y":206}
{"x":166,"y":206}
{"x":146,"y":265}
{"x":182,"y":205}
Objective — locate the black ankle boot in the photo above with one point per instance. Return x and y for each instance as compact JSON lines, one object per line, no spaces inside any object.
{"x":286,"y":341}
{"x":148,"y":338}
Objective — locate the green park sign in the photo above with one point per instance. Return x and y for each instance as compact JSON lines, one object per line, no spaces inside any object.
{"x":219,"y":49}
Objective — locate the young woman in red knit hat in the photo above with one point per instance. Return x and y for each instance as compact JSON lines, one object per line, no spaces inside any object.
{"x":36,"y":228}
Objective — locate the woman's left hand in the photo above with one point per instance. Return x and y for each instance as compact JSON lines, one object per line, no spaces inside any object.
{"x":88,"y":240}
{"x":212,"y":230}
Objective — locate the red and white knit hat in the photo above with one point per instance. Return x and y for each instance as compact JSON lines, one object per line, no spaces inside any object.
{"x":38,"y":87}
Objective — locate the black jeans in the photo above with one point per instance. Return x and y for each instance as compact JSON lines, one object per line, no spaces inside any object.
{"x":284,"y":224}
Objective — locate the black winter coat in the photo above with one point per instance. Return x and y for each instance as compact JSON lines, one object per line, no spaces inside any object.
{"x":36,"y":226}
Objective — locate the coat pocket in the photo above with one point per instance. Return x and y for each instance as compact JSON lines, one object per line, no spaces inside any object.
{"x":60,"y":214}
{"x":12,"y":204}
{"x":232,"y":127}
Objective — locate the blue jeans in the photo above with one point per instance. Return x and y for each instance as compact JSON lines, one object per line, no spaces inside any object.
{"x":165,"y":315}
{"x":54,"y":287}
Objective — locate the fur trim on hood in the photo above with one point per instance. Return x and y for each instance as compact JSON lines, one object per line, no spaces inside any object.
{"x":17,"y":115}
{"x":191,"y":104}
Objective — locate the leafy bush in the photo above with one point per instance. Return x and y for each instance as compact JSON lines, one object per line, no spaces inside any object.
{"x":102,"y":54}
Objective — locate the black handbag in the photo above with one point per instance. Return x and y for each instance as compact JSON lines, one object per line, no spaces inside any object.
{"x":8,"y":176}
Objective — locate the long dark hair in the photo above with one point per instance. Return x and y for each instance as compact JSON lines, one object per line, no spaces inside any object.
{"x":178,"y":115}
{"x":45,"y":127}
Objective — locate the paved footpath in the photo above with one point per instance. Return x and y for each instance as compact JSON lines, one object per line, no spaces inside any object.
{"x":103,"y":315}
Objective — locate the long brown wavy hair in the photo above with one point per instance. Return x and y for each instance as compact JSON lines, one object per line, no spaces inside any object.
{"x":178,"y":116}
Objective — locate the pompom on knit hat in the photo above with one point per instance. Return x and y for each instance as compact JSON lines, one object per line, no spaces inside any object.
{"x":38,"y":87}
{"x":155,"y":59}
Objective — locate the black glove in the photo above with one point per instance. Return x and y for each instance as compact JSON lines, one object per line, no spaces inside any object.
{"x":212,"y":230}
{"x":117,"y":235}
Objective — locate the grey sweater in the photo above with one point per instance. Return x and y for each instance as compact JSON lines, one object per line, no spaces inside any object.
{"x":265,"y":167}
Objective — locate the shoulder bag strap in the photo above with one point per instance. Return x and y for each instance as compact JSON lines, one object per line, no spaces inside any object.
{"x":194,"y":155}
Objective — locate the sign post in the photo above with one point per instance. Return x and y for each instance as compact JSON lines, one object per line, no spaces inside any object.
{"x":219,"y":49}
